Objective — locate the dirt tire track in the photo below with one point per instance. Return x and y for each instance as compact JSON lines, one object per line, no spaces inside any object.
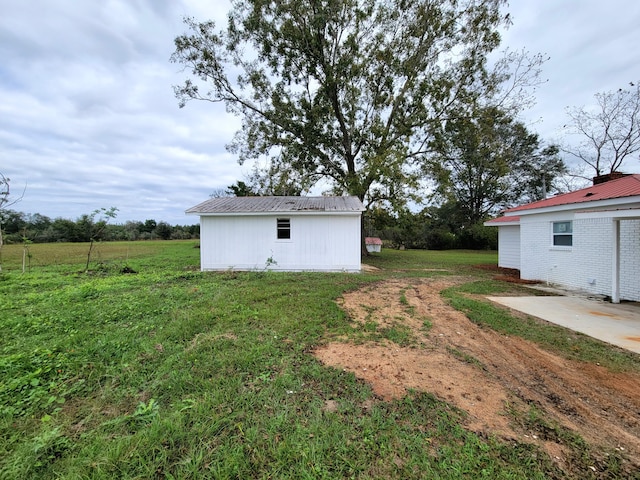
{"x":603,"y":407}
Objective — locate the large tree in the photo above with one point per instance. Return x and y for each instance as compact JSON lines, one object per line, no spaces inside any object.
{"x":487,"y":161}
{"x":608,"y":131}
{"x":345,"y":91}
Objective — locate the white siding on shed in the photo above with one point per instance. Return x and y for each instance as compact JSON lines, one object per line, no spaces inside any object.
{"x":509,"y":246}
{"x":326,"y":242}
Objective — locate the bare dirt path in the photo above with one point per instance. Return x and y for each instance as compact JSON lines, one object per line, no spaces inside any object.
{"x":486,"y":374}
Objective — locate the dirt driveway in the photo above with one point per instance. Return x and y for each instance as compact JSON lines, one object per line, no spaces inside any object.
{"x":496,"y":379}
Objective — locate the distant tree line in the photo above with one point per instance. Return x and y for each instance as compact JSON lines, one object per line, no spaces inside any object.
{"x":18,"y":227}
{"x":442,"y":227}
{"x":433,"y":228}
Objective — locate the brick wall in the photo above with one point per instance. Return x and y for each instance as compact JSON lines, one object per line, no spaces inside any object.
{"x":539,"y":259}
{"x":593,"y":255}
{"x":587,"y":265}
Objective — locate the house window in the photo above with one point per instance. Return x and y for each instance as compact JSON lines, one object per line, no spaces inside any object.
{"x":562,"y":234}
{"x":283,"y":228}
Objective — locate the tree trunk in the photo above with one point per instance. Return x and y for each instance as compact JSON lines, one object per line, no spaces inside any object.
{"x":0,"y":248}
{"x":363,"y":245}
{"x":86,"y":269}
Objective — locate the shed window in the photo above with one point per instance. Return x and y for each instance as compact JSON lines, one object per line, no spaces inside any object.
{"x":563,"y":234}
{"x":283,"y":228}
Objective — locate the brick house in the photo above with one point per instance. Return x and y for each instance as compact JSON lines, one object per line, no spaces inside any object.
{"x":588,"y":239}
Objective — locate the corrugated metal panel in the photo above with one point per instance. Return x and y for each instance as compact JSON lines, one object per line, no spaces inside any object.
{"x":229,"y":205}
{"x":628,"y":186}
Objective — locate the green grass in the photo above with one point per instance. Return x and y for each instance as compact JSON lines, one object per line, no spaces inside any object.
{"x":569,"y":344}
{"x":111,"y":254}
{"x":460,"y":261}
{"x":174,"y":373}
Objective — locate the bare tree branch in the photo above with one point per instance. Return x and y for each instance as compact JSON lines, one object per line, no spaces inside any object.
{"x":609,"y":131}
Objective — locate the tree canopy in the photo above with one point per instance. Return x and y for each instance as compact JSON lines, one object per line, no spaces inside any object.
{"x":347,"y":91}
{"x":487,"y":162}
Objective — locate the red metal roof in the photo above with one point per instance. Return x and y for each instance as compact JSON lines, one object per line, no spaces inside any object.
{"x":372,"y":241}
{"x":628,"y":186}
{"x":499,"y":220}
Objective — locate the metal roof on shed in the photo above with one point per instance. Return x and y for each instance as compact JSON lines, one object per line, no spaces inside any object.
{"x":231,"y":205}
{"x":372,"y":241}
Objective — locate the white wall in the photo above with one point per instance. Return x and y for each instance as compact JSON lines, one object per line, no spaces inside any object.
{"x":630,"y":260}
{"x":321,"y":242}
{"x":587,"y":264}
{"x":509,"y":246}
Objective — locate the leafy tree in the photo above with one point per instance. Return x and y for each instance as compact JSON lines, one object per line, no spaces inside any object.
{"x":133,"y":229}
{"x":13,"y":222}
{"x":240,"y":189}
{"x":345,"y":91}
{"x":485,"y":162}
{"x":163,"y":230}
{"x":149,"y":226}
{"x":5,"y":202}
{"x":541,"y":175}
{"x":65,"y":230}
{"x":272,"y":180}
{"x":38,"y":222}
{"x":609,"y":132}
{"x":96,"y":222}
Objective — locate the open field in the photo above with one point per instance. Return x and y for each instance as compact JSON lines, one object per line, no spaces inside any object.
{"x":145,"y":367}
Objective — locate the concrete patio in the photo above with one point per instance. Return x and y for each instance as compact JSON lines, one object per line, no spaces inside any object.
{"x":617,"y":324}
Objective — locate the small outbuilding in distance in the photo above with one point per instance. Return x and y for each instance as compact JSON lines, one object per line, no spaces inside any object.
{"x":280,"y":233}
{"x":373,"y":244}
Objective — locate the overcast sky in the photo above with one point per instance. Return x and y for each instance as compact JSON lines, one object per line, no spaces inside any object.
{"x":88,"y":118}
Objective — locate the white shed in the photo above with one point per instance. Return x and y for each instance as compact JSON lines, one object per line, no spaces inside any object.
{"x":280,"y":233}
{"x":588,"y":239}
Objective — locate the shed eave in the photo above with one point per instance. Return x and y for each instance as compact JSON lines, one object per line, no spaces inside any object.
{"x":287,"y":213}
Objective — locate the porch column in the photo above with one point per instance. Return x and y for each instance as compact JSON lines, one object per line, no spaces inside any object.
{"x":615,"y":261}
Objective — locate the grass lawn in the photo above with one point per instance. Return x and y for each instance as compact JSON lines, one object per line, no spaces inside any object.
{"x":169,"y":372}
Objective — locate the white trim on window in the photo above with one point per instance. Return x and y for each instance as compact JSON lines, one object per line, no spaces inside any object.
{"x":562,"y":234}
{"x":283,"y":229}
